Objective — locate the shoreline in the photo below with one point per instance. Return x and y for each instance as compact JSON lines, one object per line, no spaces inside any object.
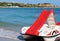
{"x":21,"y":7}
{"x":26,"y":5}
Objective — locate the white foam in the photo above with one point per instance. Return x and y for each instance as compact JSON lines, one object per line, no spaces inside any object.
{"x":8,"y":34}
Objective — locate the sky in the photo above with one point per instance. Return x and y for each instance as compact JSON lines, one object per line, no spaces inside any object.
{"x":55,"y":2}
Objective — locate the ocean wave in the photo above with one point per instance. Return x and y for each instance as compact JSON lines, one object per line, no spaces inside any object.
{"x":9,"y":34}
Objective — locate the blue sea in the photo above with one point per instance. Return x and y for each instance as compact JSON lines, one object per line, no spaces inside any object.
{"x":13,"y":19}
{"x":16,"y":18}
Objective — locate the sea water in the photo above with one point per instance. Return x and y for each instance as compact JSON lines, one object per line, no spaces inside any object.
{"x":22,"y":16}
{"x":16,"y":18}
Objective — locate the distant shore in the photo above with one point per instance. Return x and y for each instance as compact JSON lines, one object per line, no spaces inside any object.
{"x":23,"y":5}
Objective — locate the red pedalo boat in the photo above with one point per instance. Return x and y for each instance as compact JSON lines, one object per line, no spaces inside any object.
{"x":40,"y":28}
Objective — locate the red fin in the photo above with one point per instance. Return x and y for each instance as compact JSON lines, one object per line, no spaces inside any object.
{"x":57,"y":31}
{"x":49,"y":33}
